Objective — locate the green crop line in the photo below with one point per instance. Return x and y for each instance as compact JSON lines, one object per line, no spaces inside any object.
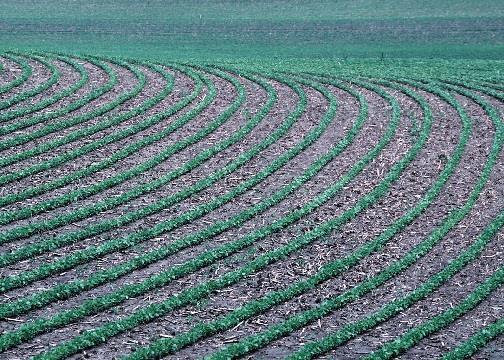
{"x":75,"y":105}
{"x":304,"y":319}
{"x":91,"y":190}
{"x":40,"y":149}
{"x":30,"y":192}
{"x":471,"y":86}
{"x":497,"y":87}
{"x":273,"y":137}
{"x":117,"y":244}
{"x":466,"y":90}
{"x":76,"y":135}
{"x":103,"y":164}
{"x":142,"y":189}
{"x":144,"y":260}
{"x":391,"y":309}
{"x":22,"y":96}
{"x":47,"y":101}
{"x":413,"y":336}
{"x":104,"y":205}
{"x":151,"y":312}
{"x":203,"y":156}
{"x":162,"y":347}
{"x":252,"y":343}
{"x":346,"y":333}
{"x":26,"y":72}
{"x":111,"y":83}
{"x":476,"y":341}
{"x":22,"y":139}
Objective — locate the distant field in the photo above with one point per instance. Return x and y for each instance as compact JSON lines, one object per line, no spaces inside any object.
{"x":258,"y":29}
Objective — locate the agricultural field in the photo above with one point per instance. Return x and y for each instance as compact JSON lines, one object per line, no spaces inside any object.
{"x":152,"y":209}
{"x":260,"y":197}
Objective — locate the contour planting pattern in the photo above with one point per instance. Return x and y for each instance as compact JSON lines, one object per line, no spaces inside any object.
{"x":219,"y":211}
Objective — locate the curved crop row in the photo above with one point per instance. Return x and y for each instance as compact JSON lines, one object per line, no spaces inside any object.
{"x":144,"y":260}
{"x":114,"y":181}
{"x":47,"y":101}
{"x":285,"y":126}
{"x":351,"y":330}
{"x":204,"y":289}
{"x":169,"y":345}
{"x":142,"y":189}
{"x":24,"y":95}
{"x":76,"y":135}
{"x":107,"y":162}
{"x":121,"y":243}
{"x":75,"y":105}
{"x":477,"y":341}
{"x":26,"y":72}
{"x":167,"y":269}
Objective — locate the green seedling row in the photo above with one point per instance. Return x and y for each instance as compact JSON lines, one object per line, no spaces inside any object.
{"x":26,"y":72}
{"x":202,"y":290}
{"x":24,"y":95}
{"x":460,"y":89}
{"x":476,"y":341}
{"x":47,"y":101}
{"x":78,"y":134}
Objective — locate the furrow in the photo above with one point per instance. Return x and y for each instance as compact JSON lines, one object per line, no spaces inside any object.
{"x":477,"y":341}
{"x":26,"y":72}
{"x":45,"y":101}
{"x":166,"y":346}
{"x":76,"y":135}
{"x":101,"y":165}
{"x":190,"y":295}
{"x":70,"y":103}
{"x":349,"y":331}
{"x":27,"y":94}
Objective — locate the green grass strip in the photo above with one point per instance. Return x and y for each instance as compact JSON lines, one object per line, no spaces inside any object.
{"x":413,"y":336}
{"x":348,"y":332}
{"x":24,"y":95}
{"x":163,"y":347}
{"x":93,"y":94}
{"x":476,"y":341}
{"x":45,"y":102}
{"x":26,"y":72}
{"x":190,"y":295}
{"x":67,"y":290}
